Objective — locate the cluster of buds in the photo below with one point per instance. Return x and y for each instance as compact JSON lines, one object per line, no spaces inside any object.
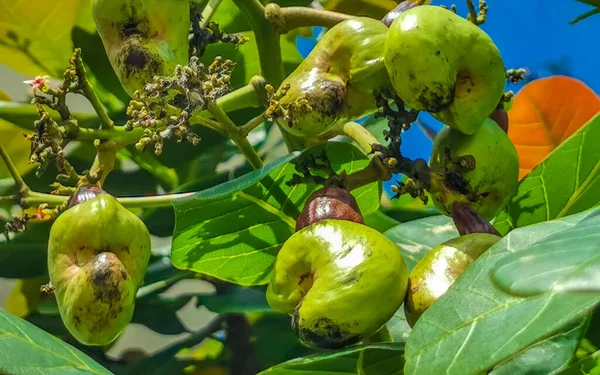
{"x":164,"y":108}
{"x":46,"y":141}
{"x":285,"y":111}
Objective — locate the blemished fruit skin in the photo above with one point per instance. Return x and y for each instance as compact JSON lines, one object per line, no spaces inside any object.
{"x":338,"y":78}
{"x":98,"y":252}
{"x":496,"y":173}
{"x":341,"y":281}
{"x":330,"y":202}
{"x":441,"y":63}
{"x":143,"y":38}
{"x":440,"y":268}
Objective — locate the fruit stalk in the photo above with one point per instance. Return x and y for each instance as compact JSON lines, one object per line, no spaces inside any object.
{"x":285,"y":19}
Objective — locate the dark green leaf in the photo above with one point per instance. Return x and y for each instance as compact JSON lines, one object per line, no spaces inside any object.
{"x":377,"y":359}
{"x":27,"y":349}
{"x":24,"y":256}
{"x":546,"y":356}
{"x":159,"y":314}
{"x":234,"y":231}
{"x":565,"y":183}
{"x":398,"y":326}
{"x":25,"y":114}
{"x":589,"y":365}
{"x":475,"y":326}
{"x":380,"y":221}
{"x":566,"y":262}
{"x":236,"y":299}
{"x":417,"y":237}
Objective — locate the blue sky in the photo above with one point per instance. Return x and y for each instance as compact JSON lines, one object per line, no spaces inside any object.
{"x":531,"y":34}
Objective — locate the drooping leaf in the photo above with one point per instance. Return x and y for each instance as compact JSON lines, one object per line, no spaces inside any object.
{"x":416,"y":238}
{"x":43,"y":30}
{"x":545,"y":113}
{"x":546,"y":356}
{"x":566,"y":182}
{"x":27,"y":349}
{"x":233,"y":231}
{"x":376,"y":359}
{"x":475,"y":326}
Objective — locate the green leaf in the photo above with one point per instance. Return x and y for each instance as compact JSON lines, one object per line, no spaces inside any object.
{"x":565,"y":183}
{"x":377,"y":359}
{"x":567,"y":262}
{"x":27,"y":349}
{"x":235,"y":299}
{"x":233,"y":231}
{"x":380,"y":221}
{"x":24,"y":115}
{"x":398,"y":326}
{"x":41,"y":27}
{"x":159,"y":314}
{"x":475,"y":326}
{"x":24,"y":256}
{"x":587,"y":365}
{"x":417,"y":237}
{"x":546,"y":356}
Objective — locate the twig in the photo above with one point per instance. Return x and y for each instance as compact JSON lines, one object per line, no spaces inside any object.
{"x":209,"y":11}
{"x":289,"y":18}
{"x":12,"y":169}
{"x":253,"y":124}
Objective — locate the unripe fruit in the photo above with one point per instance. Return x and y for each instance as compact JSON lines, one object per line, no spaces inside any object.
{"x":441,"y":63}
{"x":98,"y":252}
{"x":440,"y":268}
{"x":330,"y":202}
{"x":341,"y":281}
{"x":143,"y":38}
{"x":495,"y":176}
{"x":338,"y":79}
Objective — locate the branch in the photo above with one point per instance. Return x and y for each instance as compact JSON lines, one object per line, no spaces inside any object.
{"x":289,"y":18}
{"x":267,"y":40}
{"x":23,"y":188}
{"x":209,"y":11}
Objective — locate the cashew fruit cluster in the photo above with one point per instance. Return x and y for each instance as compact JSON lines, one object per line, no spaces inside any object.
{"x":442,"y":63}
{"x":143,"y":38}
{"x":98,"y":252}
{"x":440,"y":268}
{"x":337,"y":79}
{"x":340,"y":280}
{"x":494,"y":176}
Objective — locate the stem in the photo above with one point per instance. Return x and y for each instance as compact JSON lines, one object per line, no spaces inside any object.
{"x":251,"y":95}
{"x":209,"y":11}
{"x":236,"y":136}
{"x":289,"y":18}
{"x":360,"y":135}
{"x":23,"y":188}
{"x":88,"y":91}
{"x":253,"y":124}
{"x":267,"y":40}
{"x":118,"y":134}
{"x":159,"y":286}
{"x":35,"y":199}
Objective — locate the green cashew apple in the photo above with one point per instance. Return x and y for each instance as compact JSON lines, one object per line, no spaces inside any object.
{"x":440,"y":268}
{"x":491,"y":183}
{"x":339,"y":79}
{"x":98,"y":252}
{"x":443,"y":64}
{"x":340,"y":280}
{"x":143,"y":38}
{"x":330,"y":202}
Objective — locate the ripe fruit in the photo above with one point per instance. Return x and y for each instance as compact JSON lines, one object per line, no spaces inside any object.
{"x":440,"y":268}
{"x":493,"y":181}
{"x":341,"y":281}
{"x":337,"y":79}
{"x":441,"y":63}
{"x":98,"y":252}
{"x":330,"y":202}
{"x":143,"y":38}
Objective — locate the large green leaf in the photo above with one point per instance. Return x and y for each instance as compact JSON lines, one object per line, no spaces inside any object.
{"x":565,"y":183}
{"x":27,"y":349}
{"x":233,"y":231}
{"x":546,"y":356}
{"x":377,"y":359}
{"x":475,"y":326}
{"x":559,"y":263}
{"x":24,"y":256}
{"x":417,"y":237}
{"x":235,"y":299}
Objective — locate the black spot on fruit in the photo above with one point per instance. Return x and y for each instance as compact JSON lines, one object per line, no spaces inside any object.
{"x":326,"y":334}
{"x":136,"y":59}
{"x":437,"y":98}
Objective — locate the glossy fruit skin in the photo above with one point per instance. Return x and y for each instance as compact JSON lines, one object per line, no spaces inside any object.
{"x":98,"y":252}
{"x":443,"y":64}
{"x":341,"y":281}
{"x":143,"y":38}
{"x":496,"y":173}
{"x":330,"y":202}
{"x":338,"y":78}
{"x":440,"y":268}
